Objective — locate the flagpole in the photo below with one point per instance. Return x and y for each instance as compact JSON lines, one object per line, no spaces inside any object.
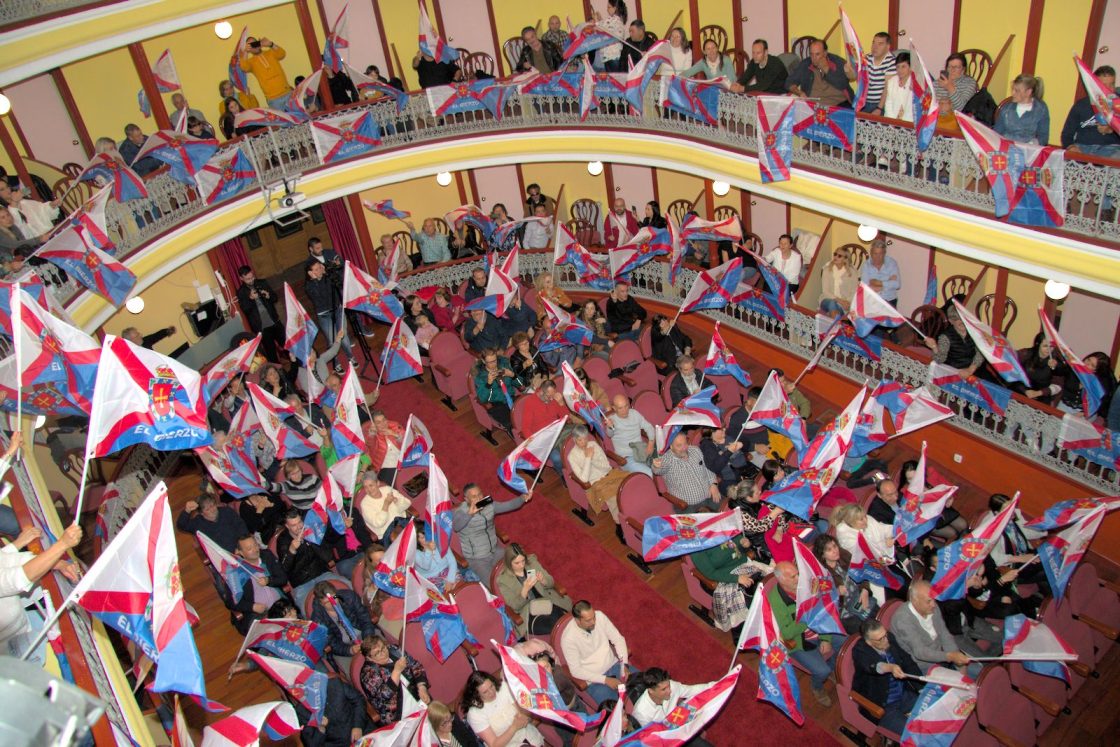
{"x":17,"y":327}
{"x":937,"y":681}
{"x":51,"y":621}
{"x":404,"y":621}
{"x":816,"y":357}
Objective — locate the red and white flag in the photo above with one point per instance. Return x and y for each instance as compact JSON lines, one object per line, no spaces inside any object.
{"x":994,"y":346}
{"x":438,"y":508}
{"x":533,"y":689}
{"x":167,"y":77}
{"x":695,"y":228}
{"x":688,"y":718}
{"x":345,"y":472}
{"x":817,"y":598}
{"x":531,"y":455}
{"x":919,"y":505}
{"x":351,"y":133}
{"x":236,"y":361}
{"x":300,"y":330}
{"x":346,"y":429}
{"x":1105,"y":102}
{"x":271,"y":413}
{"x":1061,"y":552}
{"x":923,"y":409}
{"x":275,"y":719}
{"x":958,"y":560}
{"x":870,"y":310}
{"x":410,"y":731}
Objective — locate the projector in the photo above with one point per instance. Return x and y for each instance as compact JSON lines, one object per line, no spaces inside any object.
{"x":291,"y":199}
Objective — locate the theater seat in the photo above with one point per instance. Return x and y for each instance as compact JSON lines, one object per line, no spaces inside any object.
{"x":700,"y":590}
{"x":638,"y":500}
{"x":450,"y":365}
{"x":666,"y":390}
{"x":851,"y":701}
{"x":1002,"y":712}
{"x":731,"y":392}
{"x":1048,"y":695}
{"x":651,"y":407}
{"x":484,"y":622}
{"x":517,"y":415}
{"x":1095,"y":603}
{"x":886,"y":612}
{"x":598,"y":370}
{"x":1076,"y":634}
{"x":445,"y":680}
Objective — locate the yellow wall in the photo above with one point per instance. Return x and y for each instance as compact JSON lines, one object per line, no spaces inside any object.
{"x":513,"y":15}
{"x":578,"y":184}
{"x":401,"y":20}
{"x":673,"y":185}
{"x":104,"y":89}
{"x":163,"y":307}
{"x":658,"y":16}
{"x":421,"y":197}
{"x":1063,"y":31}
{"x":718,"y":12}
{"x":1028,"y":293}
{"x":951,"y":264}
{"x":986,"y":25}
{"x":815,"y":17}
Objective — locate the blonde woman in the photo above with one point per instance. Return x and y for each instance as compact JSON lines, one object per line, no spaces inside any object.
{"x":547,"y":288}
{"x":382,"y":508}
{"x":851,"y":521}
{"x":838,"y":284}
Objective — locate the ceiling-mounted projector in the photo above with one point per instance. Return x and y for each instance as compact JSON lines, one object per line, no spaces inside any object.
{"x":291,"y":199}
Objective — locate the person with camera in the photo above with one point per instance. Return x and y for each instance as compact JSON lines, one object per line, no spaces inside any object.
{"x":258,"y":303}
{"x":261,"y":57}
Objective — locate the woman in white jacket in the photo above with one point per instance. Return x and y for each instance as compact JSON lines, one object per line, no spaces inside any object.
{"x":851,"y":521}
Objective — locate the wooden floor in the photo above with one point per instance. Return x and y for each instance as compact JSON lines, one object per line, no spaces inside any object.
{"x":1095,"y":711}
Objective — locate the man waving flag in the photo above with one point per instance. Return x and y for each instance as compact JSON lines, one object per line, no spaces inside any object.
{"x":958,"y":560}
{"x":532,"y":686}
{"x":777,"y":682}
{"x":272,"y":412}
{"x":994,"y":346}
{"x":300,"y":329}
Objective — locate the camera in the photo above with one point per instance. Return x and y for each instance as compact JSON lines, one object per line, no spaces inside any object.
{"x":255,"y":45}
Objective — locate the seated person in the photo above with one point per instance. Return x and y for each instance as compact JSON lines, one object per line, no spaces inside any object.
{"x":381,"y":675}
{"x":259,"y":594}
{"x":542,"y":408}
{"x":660,"y":695}
{"x":1017,"y":545}
{"x":595,"y":652}
{"x":954,"y":346}
{"x":495,"y":386}
{"x":881,"y":666}
{"x":262,"y":515}
{"x":383,"y":509}
{"x":414,"y":309}
{"x":764,"y":74}
{"x":448,"y":728}
{"x":589,"y":465}
{"x":953,"y":87}
{"x":476,"y":286}
{"x":305,"y":563}
{"x":383,"y":444}
{"x":494,"y":715}
{"x":625,"y":427}
{"x":548,"y":289}
{"x":519,"y":317}
{"x":798,"y":400}
{"x":530,"y":591}
{"x":856,"y":602}
{"x":341,"y":613}
{"x":712,"y":65}
{"x":822,"y":76}
{"x":722,"y":458}
{"x":850,"y":521}
{"x":1082,"y":133}
{"x":447,"y":310}
{"x":682,"y":468}
{"x":1040,"y":364}
{"x":484,"y":330}
{"x":385,"y":610}
{"x":884,"y":506}
{"x":921,"y":632}
{"x":300,"y":489}
{"x":812,"y":651}
{"x":1026,"y":118}
{"x":591,"y":317}
{"x":441,"y":569}
{"x":221,"y":524}
{"x":432,"y":244}
{"x":426,"y":330}
{"x":729,"y":564}
{"x":624,"y":314}
{"x":557,"y":356}
{"x":686,"y":382}
{"x":529,"y":370}
{"x":668,"y":343}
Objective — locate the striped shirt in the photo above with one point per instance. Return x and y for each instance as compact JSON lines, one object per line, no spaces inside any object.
{"x":877,"y":76}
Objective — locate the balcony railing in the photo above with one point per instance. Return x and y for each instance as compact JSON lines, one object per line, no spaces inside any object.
{"x":16,"y":13}
{"x":885,"y":156}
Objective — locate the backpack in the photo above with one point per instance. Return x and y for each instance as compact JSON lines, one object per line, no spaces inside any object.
{"x":982,"y":107}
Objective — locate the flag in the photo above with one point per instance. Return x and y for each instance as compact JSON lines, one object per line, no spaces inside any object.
{"x":1037,"y":647}
{"x":346,"y":429}
{"x":975,"y":391}
{"x":919,"y":507}
{"x":871,"y":564}
{"x":1061,"y":552}
{"x":639,"y":76}
{"x":853,"y":50}
{"x":431,"y":43}
{"x":869,"y":433}
{"x":240,"y":479}
{"x":585,"y":38}
{"x":372,"y":88}
{"x":930,"y":299}
{"x":842,"y":335}
{"x":416,"y":444}
{"x":692,"y":97}
{"x":225,"y":175}
{"x":529,"y":455}
{"x":666,"y":537}
{"x":233,"y":363}
{"x":687,"y":719}
{"x":165,"y":74}
{"x":509,"y":632}
{"x":30,"y":285}
{"x":1064,"y":513}
{"x":438,"y":508}
{"x":1092,"y":391}
{"x":870,"y":310}
{"x":696,"y":409}
{"x":580,"y":401}
{"x":388,"y":273}
{"x":611,"y":732}
{"x":400,"y":358}
{"x":346,"y":135}
{"x":300,"y":329}
{"x":922,"y":409}
{"x":471,"y":215}
{"x":714,"y":288}
{"x":820,"y":463}
{"x":940,"y":710}
{"x":500,"y":290}
{"x":143,"y":103}
{"x":361,"y":292}
{"x":565,"y":331}
{"x":1027,"y":180}
{"x":467,"y":96}
{"x":560,"y":83}
{"x":777,"y":682}
{"x":272,"y":412}
{"x":408,"y":732}
{"x":110,"y":169}
{"x":385,"y":208}
{"x":185,"y":154}
{"x":771,"y":299}
{"x":77,"y":250}
{"x":144,"y":397}
{"x":589,"y":271}
{"x":994,"y":346}
{"x":818,"y":601}
{"x":504,"y":234}
{"x":676,"y":245}
{"x":775,"y":126}
{"x":587,"y":98}
{"x":720,"y":361}
{"x":234,"y":571}
{"x":50,"y":398}
{"x":1104,"y":100}
{"x":389,"y":576}
{"x":834,"y":126}
{"x":345,"y":472}
{"x":773,"y":410}
{"x":925,"y":99}
{"x":438,"y":615}
{"x":275,"y":719}
{"x":52,"y":351}
{"x":304,"y":685}
{"x":337,"y":41}
{"x":1096,"y":443}
{"x":237,"y":76}
{"x":134,"y":587}
{"x":695,"y":228}
{"x":533,"y":689}
{"x":511,"y":265}
{"x":644,"y":246}
{"x":959,"y":560}
{"x":264,"y":117}
{"x":298,"y":641}
{"x":327,"y":509}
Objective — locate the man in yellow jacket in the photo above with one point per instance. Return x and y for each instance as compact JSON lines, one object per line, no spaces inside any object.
{"x":262,"y":59}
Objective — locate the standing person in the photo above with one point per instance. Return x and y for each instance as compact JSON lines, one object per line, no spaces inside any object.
{"x":328,"y":309}
{"x":538,"y":54}
{"x":261,"y":57}
{"x":473,"y":521}
{"x":183,"y":109}
{"x":881,"y":273}
{"x":19,"y":572}
{"x":258,"y":303}
{"x":609,"y":57}
{"x":620,"y":225}
{"x":433,"y":245}
{"x":680,"y":50}
{"x":879,"y":63}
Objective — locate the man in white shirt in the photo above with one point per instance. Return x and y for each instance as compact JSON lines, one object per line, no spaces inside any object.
{"x":538,"y":233}
{"x":625,"y":426}
{"x":19,"y":572}
{"x":595,"y":651}
{"x":661,"y":696}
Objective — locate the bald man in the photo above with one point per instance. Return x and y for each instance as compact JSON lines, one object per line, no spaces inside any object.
{"x":921,"y":631}
{"x":814,"y":652}
{"x":626,"y":426}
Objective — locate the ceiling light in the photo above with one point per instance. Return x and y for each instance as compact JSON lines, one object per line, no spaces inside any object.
{"x":5,"y":105}
{"x":721,"y":188}
{"x":135,"y":305}
{"x":1056,"y":290}
{"x":867,"y":233}
{"x":443,"y":178}
{"x":595,"y":168}
{"x":224,"y":29}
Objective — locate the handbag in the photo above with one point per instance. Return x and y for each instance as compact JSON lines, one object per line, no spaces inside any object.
{"x":540,"y":607}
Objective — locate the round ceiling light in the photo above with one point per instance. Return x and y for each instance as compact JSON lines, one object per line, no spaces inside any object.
{"x":595,"y":168}
{"x":135,"y":305}
{"x":721,"y":188}
{"x":443,"y":178}
{"x":223,"y":29}
{"x":1056,"y":290}
{"x":867,"y":233}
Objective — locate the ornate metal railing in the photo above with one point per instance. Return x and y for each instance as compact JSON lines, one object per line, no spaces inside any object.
{"x":1025,"y":428}
{"x":885,"y":155}
{"x":20,"y":12}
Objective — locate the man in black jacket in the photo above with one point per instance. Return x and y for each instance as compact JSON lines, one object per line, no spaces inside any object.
{"x":258,"y":304}
{"x":881,"y":666}
{"x":259,"y":594}
{"x":538,"y":54}
{"x":344,"y":637}
{"x":221,"y":524}
{"x":624,"y":314}
{"x":327,"y":302}
{"x":305,"y":563}
{"x":884,"y":505}
{"x":344,"y":718}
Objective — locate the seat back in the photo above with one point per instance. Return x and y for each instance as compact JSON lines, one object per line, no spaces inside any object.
{"x":638,"y":500}
{"x":529,"y":298}
{"x":624,"y":353}
{"x":985,"y":309}
{"x":408,"y":246}
{"x":723,"y":212}
{"x":755,"y":243}
{"x":1078,"y":635}
{"x":645,"y":342}
{"x":886,"y":612}
{"x":558,"y":635}
{"x":512,"y":50}
{"x":358,"y":577}
{"x":591,"y":212}
{"x":956,"y":285}
{"x":930,"y":320}
{"x":666,"y":394}
{"x":445,"y":681}
{"x":698,"y":584}
{"x":450,"y":364}
{"x":713,"y":32}
{"x":645,"y":378}
{"x":731,"y":392}
{"x":845,"y":674}
{"x":355,"y":672}
{"x":651,"y":407}
{"x":484,"y":622}
{"x":800,"y":46}
{"x":73,"y":195}
{"x":679,"y":209}
{"x":1049,"y":689}
{"x":575,"y":490}
{"x":857,"y":255}
{"x":517,"y":414}
{"x":741,"y":59}
{"x":1088,"y":597}
{"x":582,"y":230}
{"x":476,"y":62}
{"x":999,"y":707}
{"x":978,"y":66}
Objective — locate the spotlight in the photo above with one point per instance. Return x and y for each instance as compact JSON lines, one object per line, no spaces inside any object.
{"x":5,"y":105}
{"x":135,"y":305}
{"x":595,"y":168}
{"x":721,"y":188}
{"x":223,"y":29}
{"x":443,"y":178}
{"x":1056,"y":290}
{"x":867,"y":233}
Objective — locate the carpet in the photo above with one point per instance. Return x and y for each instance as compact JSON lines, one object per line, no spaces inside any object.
{"x":653,"y":627}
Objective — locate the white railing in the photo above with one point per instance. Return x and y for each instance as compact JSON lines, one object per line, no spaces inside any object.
{"x":18,"y":11}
